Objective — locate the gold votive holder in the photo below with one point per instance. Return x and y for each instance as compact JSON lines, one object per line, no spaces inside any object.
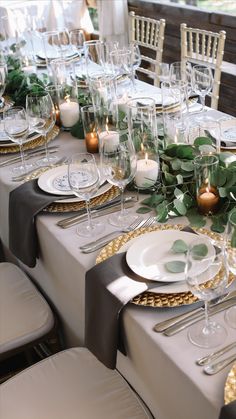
{"x":207,"y":194}
{"x":90,"y":129}
{"x":55,"y":93}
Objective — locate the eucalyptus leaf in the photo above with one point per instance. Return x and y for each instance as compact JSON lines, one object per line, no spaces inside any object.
{"x":171,"y":150}
{"x":181,"y":208}
{"x":222,"y":192}
{"x":233,"y":239}
{"x":185,"y":152}
{"x":175,"y":164}
{"x":199,"y":141}
{"x":178,"y":194}
{"x":170,"y":179}
{"x":195,"y":219}
{"x":143,"y":210}
{"x":199,"y":251}
{"x":180,"y":179}
{"x":187,"y":166}
{"x":175,"y":266}
{"x":179,"y":246}
{"x":162,"y":215}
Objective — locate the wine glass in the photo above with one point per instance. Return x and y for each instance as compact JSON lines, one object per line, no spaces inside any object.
{"x":230,"y":242}
{"x":135,"y":60}
{"x":84,"y":181}
{"x":202,"y":81}
{"x":16,"y":126}
{"x":119,"y":164}
{"x":181,"y":72}
{"x":3,"y":79}
{"x":42,"y":117}
{"x":164,"y":72}
{"x":206,"y":275}
{"x":77,"y":39}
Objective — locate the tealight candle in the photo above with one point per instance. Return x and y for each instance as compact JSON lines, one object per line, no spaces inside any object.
{"x":110,"y":140}
{"x":91,"y":142}
{"x":208,"y":200}
{"x":147,"y":172}
{"x":69,"y":113}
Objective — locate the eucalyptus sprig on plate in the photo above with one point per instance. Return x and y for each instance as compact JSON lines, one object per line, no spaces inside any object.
{"x":176,"y":195}
{"x":181,"y":247}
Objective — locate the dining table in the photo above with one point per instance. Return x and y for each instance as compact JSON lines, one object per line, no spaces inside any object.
{"x":161,"y":369}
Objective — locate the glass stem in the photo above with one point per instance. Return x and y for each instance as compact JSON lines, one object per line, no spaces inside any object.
{"x":133,"y":79}
{"x":46,"y":147}
{"x":206,"y":305}
{"x":88,"y":209}
{"x":122,"y":209}
{"x":202,"y":99}
{"x":22,"y":155}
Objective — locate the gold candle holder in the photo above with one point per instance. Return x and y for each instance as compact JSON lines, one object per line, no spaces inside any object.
{"x":90,"y":128}
{"x":208,"y":200}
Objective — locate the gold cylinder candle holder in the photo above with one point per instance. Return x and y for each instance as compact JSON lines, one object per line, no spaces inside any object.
{"x":90,"y":129}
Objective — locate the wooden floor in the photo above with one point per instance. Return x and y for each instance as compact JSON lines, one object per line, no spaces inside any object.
{"x":176,"y":14}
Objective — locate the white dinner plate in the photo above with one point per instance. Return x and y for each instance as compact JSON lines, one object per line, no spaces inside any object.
{"x":149,"y":253}
{"x":55,"y":181}
{"x":227,"y":134}
{"x":6,"y":142}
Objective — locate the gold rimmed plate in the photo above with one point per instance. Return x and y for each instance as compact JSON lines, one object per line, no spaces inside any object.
{"x":230,"y":386}
{"x":33,"y":143}
{"x":157,"y":298}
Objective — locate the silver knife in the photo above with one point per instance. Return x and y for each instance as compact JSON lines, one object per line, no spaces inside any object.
{"x":96,"y":211}
{"x":214,"y":368}
{"x":28,"y":154}
{"x":161,"y":326}
{"x":172,"y":330}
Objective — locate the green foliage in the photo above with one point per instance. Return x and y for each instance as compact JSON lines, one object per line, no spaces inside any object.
{"x":175,"y":266}
{"x":179,"y":246}
{"x":176,"y":196}
{"x":199,"y":251}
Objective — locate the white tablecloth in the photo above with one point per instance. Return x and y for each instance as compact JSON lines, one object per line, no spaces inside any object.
{"x":161,"y":369}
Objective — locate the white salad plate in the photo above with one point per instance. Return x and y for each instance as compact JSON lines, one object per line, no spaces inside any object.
{"x":147,"y":255}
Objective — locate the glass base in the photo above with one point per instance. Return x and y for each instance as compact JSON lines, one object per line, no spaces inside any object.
{"x":122,"y":220}
{"x":22,"y":170}
{"x":207,"y":337}
{"x":47,"y":161}
{"x":230,"y":317}
{"x":84,"y":229}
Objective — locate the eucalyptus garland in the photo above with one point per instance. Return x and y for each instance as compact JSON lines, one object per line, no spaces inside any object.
{"x":176,"y":194}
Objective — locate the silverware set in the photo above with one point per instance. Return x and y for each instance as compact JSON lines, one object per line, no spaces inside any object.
{"x":208,"y":362}
{"x":31,"y":153}
{"x":24,"y":176}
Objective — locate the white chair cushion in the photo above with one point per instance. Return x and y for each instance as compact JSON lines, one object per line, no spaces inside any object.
{"x":72,"y":384}
{"x":24,"y":313}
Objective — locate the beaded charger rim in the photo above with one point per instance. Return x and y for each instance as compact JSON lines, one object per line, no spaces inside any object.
{"x":147,"y":298}
{"x":36,"y":142}
{"x":107,"y":196}
{"x":230,"y":386}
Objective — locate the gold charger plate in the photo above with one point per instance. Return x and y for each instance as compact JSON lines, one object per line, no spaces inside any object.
{"x":147,"y":298}
{"x":34,"y":143}
{"x":230,"y":386}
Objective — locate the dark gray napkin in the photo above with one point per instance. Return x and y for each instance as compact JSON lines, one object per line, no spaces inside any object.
{"x":228,"y":411}
{"x":25,"y":203}
{"x":109,"y":287}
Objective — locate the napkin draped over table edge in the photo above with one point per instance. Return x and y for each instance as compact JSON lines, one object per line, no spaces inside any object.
{"x":108,"y":288}
{"x":25,"y":202}
{"x":228,"y":411}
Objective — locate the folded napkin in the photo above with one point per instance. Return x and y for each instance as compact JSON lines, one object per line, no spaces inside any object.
{"x":228,"y":411}
{"x":109,"y":287}
{"x":25,"y":203}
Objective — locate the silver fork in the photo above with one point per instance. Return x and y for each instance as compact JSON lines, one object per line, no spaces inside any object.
{"x":22,"y":177}
{"x":102,"y":241}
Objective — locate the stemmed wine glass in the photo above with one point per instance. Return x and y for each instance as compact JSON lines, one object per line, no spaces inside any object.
{"x":135,"y":60}
{"x":202,"y":82}
{"x":42,"y":117}
{"x":3,"y":78}
{"x":206,"y":275}
{"x":16,"y":126}
{"x":119,"y":165}
{"x":77,"y":39}
{"x":84,"y":181}
{"x":230,"y":243}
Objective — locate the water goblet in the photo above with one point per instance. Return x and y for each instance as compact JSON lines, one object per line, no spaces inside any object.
{"x":202,"y":81}
{"x":84,"y":181}
{"x":230,"y":244}
{"x":16,"y":126}
{"x":119,"y":163}
{"x":206,"y":275}
{"x":42,"y":117}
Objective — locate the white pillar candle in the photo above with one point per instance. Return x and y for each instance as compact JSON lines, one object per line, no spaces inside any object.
{"x":69,"y":113}
{"x":110,"y":140}
{"x":147,"y":172}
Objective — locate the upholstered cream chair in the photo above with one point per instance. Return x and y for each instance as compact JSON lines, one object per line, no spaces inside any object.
{"x":199,"y":46}
{"x":148,"y":33}
{"x":26,"y":318}
{"x":72,"y":384}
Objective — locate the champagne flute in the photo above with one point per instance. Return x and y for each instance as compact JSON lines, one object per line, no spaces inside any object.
{"x":84,"y":181}
{"x":42,"y":117}
{"x":230,"y":243}
{"x":16,"y":126}
{"x":202,"y":81}
{"x":119,"y":165}
{"x":207,"y":276}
